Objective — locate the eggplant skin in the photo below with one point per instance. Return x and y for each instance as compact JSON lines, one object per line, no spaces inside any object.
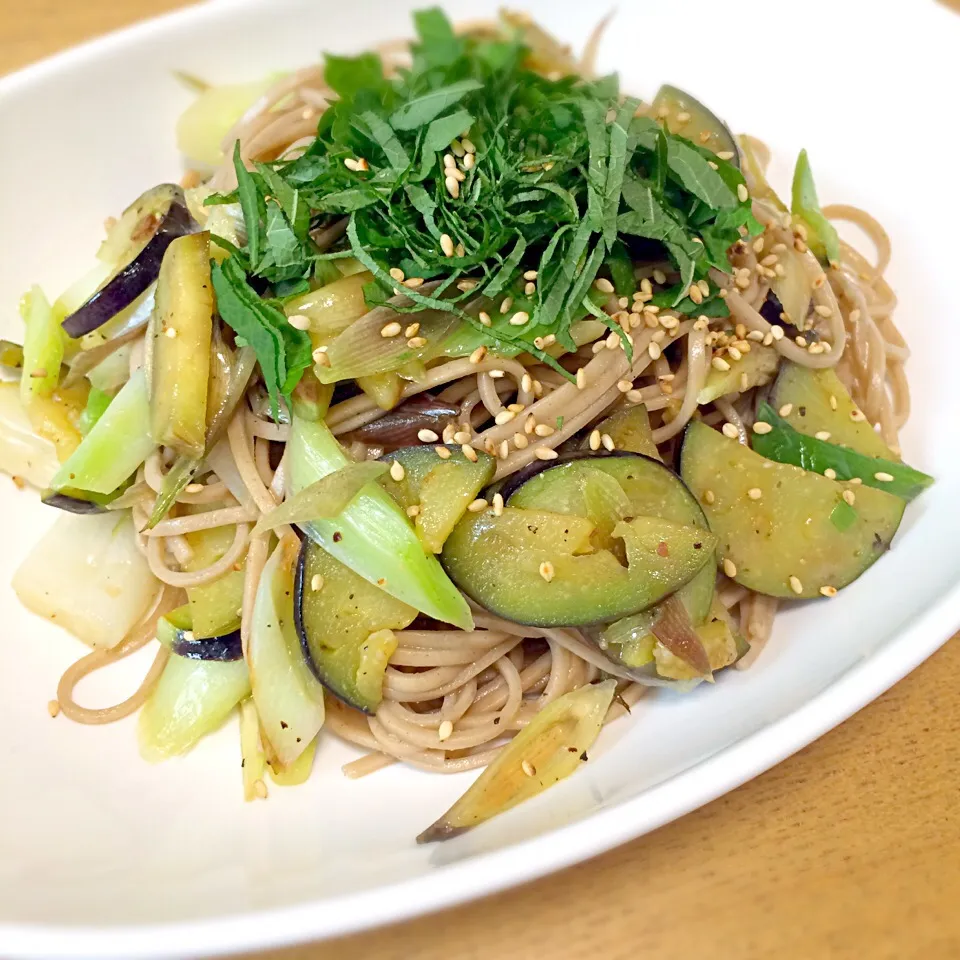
{"x":63,"y":501}
{"x":223,"y":649}
{"x":518,"y":479}
{"x":173,"y":220}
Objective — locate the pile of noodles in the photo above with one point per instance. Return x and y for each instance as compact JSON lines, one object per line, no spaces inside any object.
{"x":491,"y":681}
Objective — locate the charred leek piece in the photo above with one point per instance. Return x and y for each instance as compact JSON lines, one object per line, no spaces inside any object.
{"x":288,"y":697}
{"x":325,"y":498}
{"x":372,"y":535}
{"x":548,"y":749}
{"x":179,"y":335}
{"x":116,"y":445}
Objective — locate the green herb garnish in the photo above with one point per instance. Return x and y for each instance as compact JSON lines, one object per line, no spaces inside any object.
{"x":559,"y":176}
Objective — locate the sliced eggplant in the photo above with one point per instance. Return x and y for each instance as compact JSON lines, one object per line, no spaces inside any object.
{"x":688,"y":117}
{"x":440,"y":489}
{"x":549,"y":748}
{"x":345,"y":625}
{"x":179,"y":339}
{"x":753,"y":369}
{"x":399,"y":427}
{"x":137,"y":243}
{"x":812,"y":401}
{"x":81,"y":501}
{"x":774,"y":521}
{"x":542,"y":568}
{"x":214,"y":606}
{"x":174,"y":631}
{"x":630,"y":430}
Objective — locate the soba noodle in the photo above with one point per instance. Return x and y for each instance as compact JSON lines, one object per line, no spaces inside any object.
{"x":488,"y":683}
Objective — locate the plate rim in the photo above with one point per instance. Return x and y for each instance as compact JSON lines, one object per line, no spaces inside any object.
{"x":479,"y":875}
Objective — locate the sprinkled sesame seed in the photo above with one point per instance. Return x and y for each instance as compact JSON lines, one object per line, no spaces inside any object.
{"x":427,"y":436}
{"x":777,"y":332}
{"x":546,"y":570}
{"x":412,"y":330}
{"x":849,"y":497}
{"x":718,"y":363}
{"x":496,"y":374}
{"x":478,"y":354}
{"x":448,"y":432}
{"x":603,"y":285}
{"x":461,"y":436}
{"x":581,"y":378}
{"x":767,"y":339}
{"x":519,"y":318}
{"x":828,"y":591}
{"x":856,"y":480}
{"x":444,"y":730}
{"x":786,"y":410}
{"x":545,"y":453}
{"x":595,"y":440}
{"x":624,"y":386}
{"x":742,"y":193}
{"x":442,"y":452}
{"x":528,"y":768}
{"x":171,"y":332}
{"x":506,"y":304}
{"x":822,"y":435}
{"x":857,"y":416}
{"x":520,"y":441}
{"x":416,"y":342}
{"x":316,"y":582}
{"x":883,"y":477}
{"x":460,"y":250}
{"x":761,"y":427}
{"x":469,"y":161}
{"x":498,"y":504}
{"x":823,"y":311}
{"x":299,"y":322}
{"x":484,"y":318}
{"x":397,"y":471}
{"x":544,"y":430}
{"x":709,"y":497}
{"x":529,"y":288}
{"x":800,"y":341}
{"x":390,"y":330}
{"x":413,"y":282}
{"x":734,"y":353}
{"x":607,"y":442}
{"x":504,"y":416}
{"x":729,"y":430}
{"x":320,"y":357}
{"x":357,"y":166}
{"x":754,"y":493}
{"x":53,"y":707}
{"x":830,"y":473}
{"x":453,"y":186}
{"x":503,"y":451}
{"x":695,"y":293}
{"x":413,"y":511}
{"x":397,"y":274}
{"x":755,"y":335}
{"x":635,"y":396}
{"x":795,"y":585}
{"x":729,"y":567}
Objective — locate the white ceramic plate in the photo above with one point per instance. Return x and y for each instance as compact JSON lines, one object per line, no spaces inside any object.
{"x":104,"y":856}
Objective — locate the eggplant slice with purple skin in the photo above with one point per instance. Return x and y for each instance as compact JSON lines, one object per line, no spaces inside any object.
{"x":174,"y":631}
{"x":151,"y":224}
{"x":400,"y":426}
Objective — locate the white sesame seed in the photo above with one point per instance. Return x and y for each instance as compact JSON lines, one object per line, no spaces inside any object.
{"x":734,"y":353}
{"x":530,"y":288}
{"x":544,"y":430}
{"x":171,"y":332}
{"x":800,"y":341}
{"x":545,"y":453}
{"x":528,"y":768}
{"x":316,"y":582}
{"x":445,"y":730}
{"x":468,"y":145}
{"x":519,"y":318}
{"x":497,"y":504}
{"x":754,"y":493}
{"x":504,"y":450}
{"x":786,"y":410}
{"x":607,"y":442}
{"x":718,"y":363}
{"x":822,"y":435}
{"x":397,"y":471}
{"x":725,"y":154}
{"x":795,"y":585}
{"x":849,"y":497}
{"x":469,"y":452}
{"x":547,"y":572}
{"x":442,"y":452}
{"x":828,"y":591}
{"x":654,"y":350}
{"x":193,"y":488}
{"x":761,"y":427}
{"x":427,"y":436}
{"x":453,"y":186}
{"x":416,"y":342}
{"x":729,"y":430}
{"x":755,"y":335}
{"x":520,"y":441}
{"x":856,"y":480}
{"x":413,"y":510}
{"x":484,"y":318}
{"x":299,"y":322}
{"x":635,"y":396}
{"x":624,"y":386}
{"x":729,"y":567}
{"x":883,"y":477}
{"x":446,"y":244}
{"x":823,"y":311}
{"x":595,"y":440}
{"x":320,"y":357}
{"x":413,"y":282}
{"x":857,"y":416}
{"x":496,"y":374}
{"x":504,"y":416}
{"x":448,"y":432}
{"x":603,"y":285}
{"x":742,"y":193}
{"x":506,"y":304}
{"x":830,"y":473}
{"x":581,"y":378}
{"x":390,"y":330}
{"x":461,"y":436}
{"x":397,"y":274}
{"x":709,"y":497}
{"x":460,"y":250}
{"x":777,"y":332}
{"x":478,"y":354}
{"x":469,"y":161}
{"x":457,"y":148}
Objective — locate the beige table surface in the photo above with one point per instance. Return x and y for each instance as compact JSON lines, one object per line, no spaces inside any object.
{"x":849,"y":849}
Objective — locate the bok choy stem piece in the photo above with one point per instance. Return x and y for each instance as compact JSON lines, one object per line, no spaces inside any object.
{"x":116,"y":445}
{"x":372,"y":536}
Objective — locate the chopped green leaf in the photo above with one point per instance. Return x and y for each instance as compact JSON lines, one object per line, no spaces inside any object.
{"x":420,"y":110}
{"x":843,"y":516}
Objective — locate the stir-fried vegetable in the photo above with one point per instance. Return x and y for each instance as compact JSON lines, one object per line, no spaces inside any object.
{"x":23,"y":453}
{"x":822,"y":236}
{"x":43,"y":348}
{"x":372,"y":535}
{"x":548,"y":749}
{"x":116,"y":446}
{"x":86,"y":575}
